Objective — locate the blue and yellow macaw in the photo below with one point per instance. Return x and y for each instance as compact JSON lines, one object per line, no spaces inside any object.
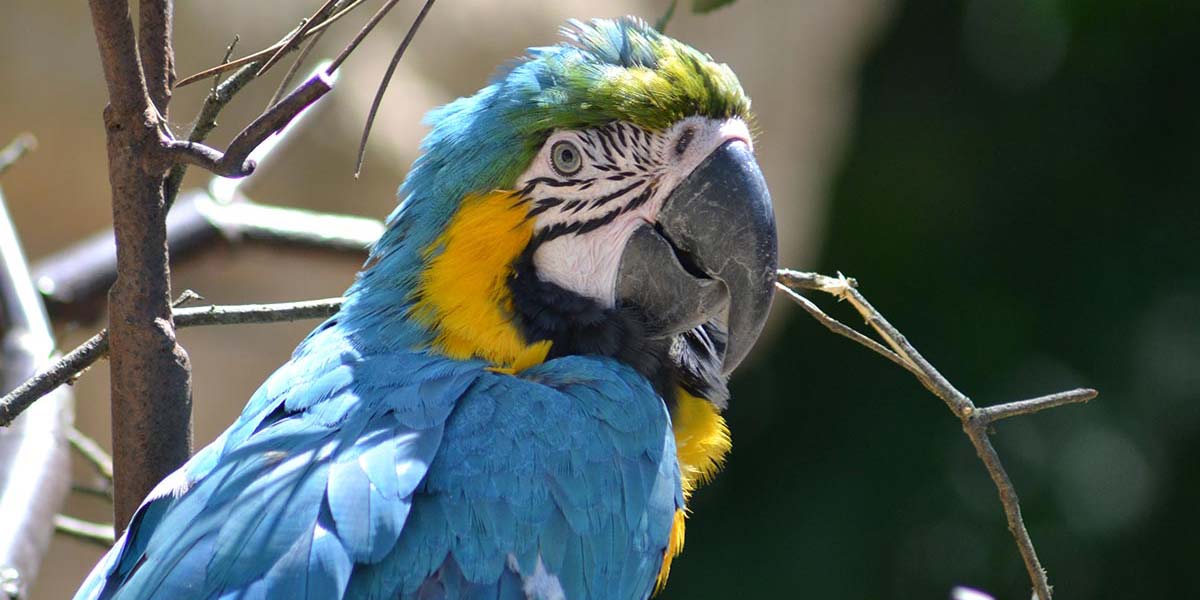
{"x":524,"y":384}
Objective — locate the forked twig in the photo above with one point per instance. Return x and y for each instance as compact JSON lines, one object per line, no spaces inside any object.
{"x":975,"y":421}
{"x":267,"y":52}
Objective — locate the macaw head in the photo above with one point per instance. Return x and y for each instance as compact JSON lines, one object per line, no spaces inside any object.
{"x":600,"y":196}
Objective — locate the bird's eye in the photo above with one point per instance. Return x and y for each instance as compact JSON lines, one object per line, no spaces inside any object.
{"x":565,"y":158}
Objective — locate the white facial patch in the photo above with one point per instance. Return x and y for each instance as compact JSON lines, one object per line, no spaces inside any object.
{"x":586,"y":210}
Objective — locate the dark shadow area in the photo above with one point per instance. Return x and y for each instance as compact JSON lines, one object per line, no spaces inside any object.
{"x":1020,"y":198}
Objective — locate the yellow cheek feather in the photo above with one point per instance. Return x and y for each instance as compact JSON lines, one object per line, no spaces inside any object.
{"x":701,"y":443}
{"x":463,"y":295}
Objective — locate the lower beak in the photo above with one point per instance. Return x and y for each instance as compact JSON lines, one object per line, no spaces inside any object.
{"x":711,"y":257}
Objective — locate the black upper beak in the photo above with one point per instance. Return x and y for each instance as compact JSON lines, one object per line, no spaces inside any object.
{"x":711,"y":258}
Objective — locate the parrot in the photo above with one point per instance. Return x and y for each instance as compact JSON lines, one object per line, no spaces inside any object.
{"x":524,"y":384}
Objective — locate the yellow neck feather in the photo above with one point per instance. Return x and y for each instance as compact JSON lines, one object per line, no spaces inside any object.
{"x":701,"y":443}
{"x":464,"y":298}
{"x":463,"y":295}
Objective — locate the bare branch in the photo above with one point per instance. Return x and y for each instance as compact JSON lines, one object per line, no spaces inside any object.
{"x":975,"y":421}
{"x":15,"y":149}
{"x":206,"y":121}
{"x":68,"y":367}
{"x":240,"y":314}
{"x":266,"y":53}
{"x":383,"y":84}
{"x":127,"y":92}
{"x":156,"y":52}
{"x":286,"y":82}
{"x":150,"y":373}
{"x":991,"y":414}
{"x":91,"y":451}
{"x":73,"y":280}
{"x":235,"y":162}
{"x":102,"y":534}
{"x":841,"y":329}
{"x":58,"y":373}
{"x":361,"y":35}
{"x":293,"y":41}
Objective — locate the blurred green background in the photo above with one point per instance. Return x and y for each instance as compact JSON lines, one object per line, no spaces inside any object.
{"x":1013,"y":183}
{"x":1019,"y":196}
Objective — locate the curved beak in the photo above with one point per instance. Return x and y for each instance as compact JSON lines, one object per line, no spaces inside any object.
{"x":711,"y":257}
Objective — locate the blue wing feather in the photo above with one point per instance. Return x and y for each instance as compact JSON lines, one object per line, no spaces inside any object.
{"x":415,"y":476}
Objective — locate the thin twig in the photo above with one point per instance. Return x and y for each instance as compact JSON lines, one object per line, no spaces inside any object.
{"x":91,"y":451}
{"x":103,"y":534}
{"x":59,"y":372}
{"x":840,"y":328}
{"x":267,"y":52}
{"x":383,"y":84}
{"x":220,"y":95}
{"x":286,"y":82}
{"x":17,"y":148}
{"x":103,"y":489}
{"x":66,"y":368}
{"x":239,"y":314}
{"x":294,"y":40}
{"x":991,"y":414}
{"x":975,"y":421}
{"x":361,"y":35}
{"x":235,"y":162}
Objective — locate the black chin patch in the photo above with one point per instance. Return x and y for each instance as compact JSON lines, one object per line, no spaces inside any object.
{"x":577,"y":325}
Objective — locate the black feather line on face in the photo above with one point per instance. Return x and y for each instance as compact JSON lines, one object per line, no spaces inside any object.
{"x":576,"y":325}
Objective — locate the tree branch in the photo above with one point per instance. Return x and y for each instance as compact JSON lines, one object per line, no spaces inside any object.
{"x":206,"y":121}
{"x":156,"y":51}
{"x":975,"y":421}
{"x":91,"y":451}
{"x":990,"y":414}
{"x":72,"y":281}
{"x":150,"y":372}
{"x":293,"y":41}
{"x":235,"y":162}
{"x":70,"y":366}
{"x":268,"y":52}
{"x":102,"y":534}
{"x":127,"y":93}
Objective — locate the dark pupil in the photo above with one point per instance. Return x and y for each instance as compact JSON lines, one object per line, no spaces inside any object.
{"x":566,"y":156}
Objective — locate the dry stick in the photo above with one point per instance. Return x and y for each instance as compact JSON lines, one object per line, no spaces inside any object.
{"x":206,"y":121}
{"x":234,"y":161}
{"x":975,"y":421}
{"x":156,"y":52}
{"x":294,"y":40}
{"x":383,"y":85}
{"x":266,"y":53}
{"x":361,"y":35}
{"x":92,"y":452}
{"x":68,"y":367}
{"x":103,"y":534}
{"x":841,"y":329}
{"x":286,"y":82}
{"x":17,"y":148}
{"x":990,"y":414}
